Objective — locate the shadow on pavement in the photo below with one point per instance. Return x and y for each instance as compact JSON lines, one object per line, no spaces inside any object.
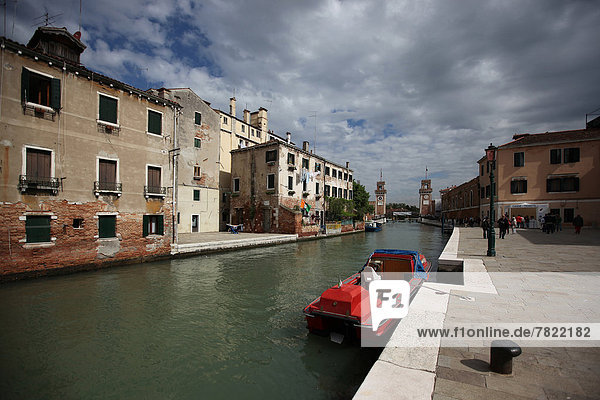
{"x":566,"y":237}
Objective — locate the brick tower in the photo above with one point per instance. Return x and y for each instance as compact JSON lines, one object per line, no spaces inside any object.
{"x":380,"y":196}
{"x":425,"y":202}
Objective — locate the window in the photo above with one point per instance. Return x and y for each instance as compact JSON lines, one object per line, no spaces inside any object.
{"x":350,"y":194}
{"x":327,"y":190}
{"x":37,"y":228}
{"x":569,"y":214}
{"x":77,"y":223}
{"x":197,"y":143}
{"x":482,"y":191}
{"x":153,"y":225}
{"x":350,"y":178}
{"x":197,"y":172}
{"x":571,"y":155}
{"x":197,"y":118}
{"x":196,"y":195}
{"x":305,"y":163}
{"x":345,"y":193}
{"x":333,"y":191}
{"x":345,"y":176}
{"x":40,"y":89}
{"x":305,"y":186}
{"x":224,"y":199}
{"x":555,"y":156}
{"x":488,"y":167}
{"x":236,"y":185}
{"x":154,"y":180}
{"x":487,"y":191}
{"x":257,"y":133}
{"x":107,"y":111}
{"x":481,"y":169}
{"x":225,"y":120}
{"x":291,"y":159}
{"x":290,"y":183}
{"x":154,"y":122}
{"x":107,"y":226}
{"x":519,"y":159}
{"x":316,"y":187}
{"x":270,"y":181}
{"x":271,"y":156}
{"x":38,"y":171}
{"x":243,"y":128}
{"x":107,"y":175}
{"x":317,"y":167}
{"x":327,"y":171}
{"x":518,"y":186}
{"x":562,"y":184}
{"x":334,"y":173}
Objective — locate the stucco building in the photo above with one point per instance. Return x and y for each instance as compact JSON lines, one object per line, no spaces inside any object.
{"x":197,"y":162}
{"x":237,"y":133}
{"x":461,"y":202}
{"x":85,"y":161}
{"x":278,"y":187}
{"x":557,"y":172}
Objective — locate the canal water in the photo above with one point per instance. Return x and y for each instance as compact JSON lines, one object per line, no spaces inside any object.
{"x":221,"y":326}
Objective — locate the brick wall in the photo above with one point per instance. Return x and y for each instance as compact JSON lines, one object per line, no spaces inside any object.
{"x":75,"y":248}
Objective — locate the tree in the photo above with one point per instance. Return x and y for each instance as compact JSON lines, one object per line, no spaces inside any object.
{"x":361,"y":201}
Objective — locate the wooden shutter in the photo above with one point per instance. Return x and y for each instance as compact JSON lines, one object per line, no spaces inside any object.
{"x":145,"y":223}
{"x":38,"y":163}
{"x":154,"y":177}
{"x":160,"y":225}
{"x":55,"y":94}
{"x":107,"y":171}
{"x":154,"y":122}
{"x":37,"y":229}
{"x":107,"y":226}
{"x":198,"y":118}
{"x":108,"y":109}
{"x":24,"y":84}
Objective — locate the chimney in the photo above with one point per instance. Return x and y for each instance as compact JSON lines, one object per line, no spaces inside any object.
{"x":247,"y":117}
{"x":232,"y":107}
{"x":348,"y":164}
{"x":305,"y":145}
{"x":289,"y":137}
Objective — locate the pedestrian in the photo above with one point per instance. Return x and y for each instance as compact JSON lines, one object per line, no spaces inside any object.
{"x":543,"y":223}
{"x":578,"y":223}
{"x":503,"y":225}
{"x":558,"y":223}
{"x":527,"y":221}
{"x":514,"y":225}
{"x":485,"y":225}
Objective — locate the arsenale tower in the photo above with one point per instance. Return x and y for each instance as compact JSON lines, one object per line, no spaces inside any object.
{"x":425,"y":196}
{"x":380,"y":196}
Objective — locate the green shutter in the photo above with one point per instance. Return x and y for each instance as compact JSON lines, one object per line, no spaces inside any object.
{"x":108,"y":109}
{"x":24,"y":84}
{"x":154,"y":122}
{"x":55,"y":93}
{"x":160,"y":225}
{"x":37,"y":229}
{"x":198,"y":118}
{"x":196,"y":195}
{"x":107,"y":226}
{"x":145,"y":223}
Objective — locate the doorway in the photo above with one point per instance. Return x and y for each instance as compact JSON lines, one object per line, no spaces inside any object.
{"x":195,"y":222}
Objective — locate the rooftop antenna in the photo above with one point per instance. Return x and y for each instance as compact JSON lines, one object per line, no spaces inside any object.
{"x":314,"y":115}
{"x":46,"y":19}
{"x":381,"y":174}
{"x":79,"y":30}
{"x":426,"y":172}
{"x":14,"y":16}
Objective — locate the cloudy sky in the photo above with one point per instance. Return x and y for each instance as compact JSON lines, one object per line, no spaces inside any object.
{"x":396,"y":86}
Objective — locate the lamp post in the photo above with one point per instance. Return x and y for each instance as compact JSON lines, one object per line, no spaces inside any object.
{"x":490,"y":152}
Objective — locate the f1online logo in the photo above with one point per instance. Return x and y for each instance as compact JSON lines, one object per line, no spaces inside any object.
{"x":388,"y":299}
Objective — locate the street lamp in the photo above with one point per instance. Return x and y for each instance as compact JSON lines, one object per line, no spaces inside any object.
{"x":490,"y":152}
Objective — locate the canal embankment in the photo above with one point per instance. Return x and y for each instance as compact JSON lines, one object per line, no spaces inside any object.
{"x":534,"y":278}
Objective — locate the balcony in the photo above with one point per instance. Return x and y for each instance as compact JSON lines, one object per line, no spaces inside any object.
{"x":155,"y":191}
{"x":37,"y":183}
{"x":108,"y":188}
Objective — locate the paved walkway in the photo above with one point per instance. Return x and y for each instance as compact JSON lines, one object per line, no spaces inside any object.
{"x":532,"y":288}
{"x":540,"y":372}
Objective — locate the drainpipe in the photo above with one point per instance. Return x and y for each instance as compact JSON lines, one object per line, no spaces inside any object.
{"x":175,"y":186}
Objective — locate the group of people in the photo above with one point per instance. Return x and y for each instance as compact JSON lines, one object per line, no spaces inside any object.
{"x":550,"y":223}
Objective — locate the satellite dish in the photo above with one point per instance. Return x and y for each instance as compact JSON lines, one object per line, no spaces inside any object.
{"x":77,"y":35}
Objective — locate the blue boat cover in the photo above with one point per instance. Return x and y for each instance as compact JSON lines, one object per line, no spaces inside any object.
{"x":415,"y":254}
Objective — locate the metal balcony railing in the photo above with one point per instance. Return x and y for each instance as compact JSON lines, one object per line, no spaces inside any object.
{"x":112,"y":187}
{"x":38,"y":183}
{"x":155,"y":191}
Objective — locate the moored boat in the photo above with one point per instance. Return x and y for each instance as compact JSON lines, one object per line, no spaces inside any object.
{"x":343,"y":310}
{"x":372,"y":226}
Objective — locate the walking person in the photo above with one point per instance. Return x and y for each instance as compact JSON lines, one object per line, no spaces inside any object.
{"x":558,"y":223}
{"x":514,"y":225}
{"x":503,"y":226}
{"x":485,"y":225}
{"x":578,"y":223}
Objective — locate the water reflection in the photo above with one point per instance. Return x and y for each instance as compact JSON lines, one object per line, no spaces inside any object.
{"x":218,"y":326}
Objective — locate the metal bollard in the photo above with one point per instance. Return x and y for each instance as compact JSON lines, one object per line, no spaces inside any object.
{"x":501,"y":354}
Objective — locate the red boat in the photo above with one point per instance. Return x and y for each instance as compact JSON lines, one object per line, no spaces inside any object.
{"x":343,"y":311}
